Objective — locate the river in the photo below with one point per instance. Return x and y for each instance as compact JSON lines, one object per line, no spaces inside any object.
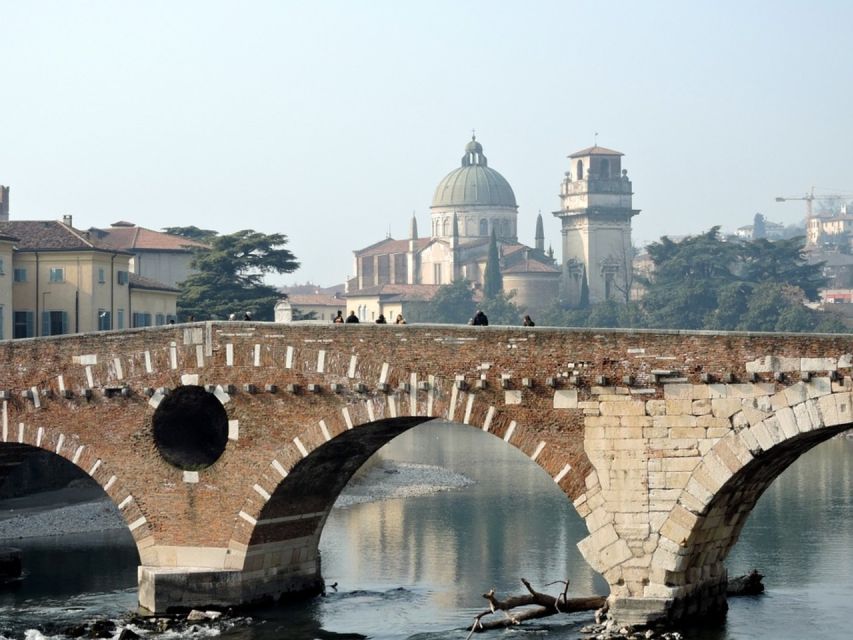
{"x":415,"y":567}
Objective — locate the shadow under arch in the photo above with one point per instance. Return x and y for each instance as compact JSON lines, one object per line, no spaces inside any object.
{"x":86,"y":459}
{"x":697,"y":567}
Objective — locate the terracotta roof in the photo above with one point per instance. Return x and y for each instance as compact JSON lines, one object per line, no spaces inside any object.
{"x":531,"y":265}
{"x":7,"y":237}
{"x":410,"y":292}
{"x":124,"y":235}
{"x":50,"y":235}
{"x":141,"y":282}
{"x":596,"y":151}
{"x":316,"y":299}
{"x":389,"y":245}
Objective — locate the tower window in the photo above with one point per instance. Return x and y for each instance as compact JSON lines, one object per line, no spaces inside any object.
{"x":605,"y":168}
{"x":484,"y":227}
{"x":580,"y":170}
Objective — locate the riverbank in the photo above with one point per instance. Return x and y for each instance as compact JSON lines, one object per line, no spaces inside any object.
{"x":74,"y":509}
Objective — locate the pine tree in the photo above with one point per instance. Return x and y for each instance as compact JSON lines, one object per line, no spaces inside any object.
{"x":493,"y":281}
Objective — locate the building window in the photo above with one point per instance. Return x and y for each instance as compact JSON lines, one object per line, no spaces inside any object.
{"x":141,"y":319}
{"x":160,"y":319}
{"x":54,"y":323}
{"x":119,"y":318}
{"x":436,"y":273}
{"x":580,"y":170}
{"x":105,"y":320}
{"x":20,"y":274}
{"x":121,"y":277}
{"x":101,"y":276}
{"x":24,"y":324}
{"x":484,"y":227}
{"x":2,"y":270}
{"x":57,"y":274}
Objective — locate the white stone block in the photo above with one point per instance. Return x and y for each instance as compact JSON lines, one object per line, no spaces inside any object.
{"x":512,"y":396}
{"x":804,"y":418}
{"x":818,"y":387}
{"x":787,"y":422}
{"x":796,"y":393}
{"x":817,"y":364}
{"x":678,"y":390}
{"x":828,"y":410}
{"x":565,"y":399}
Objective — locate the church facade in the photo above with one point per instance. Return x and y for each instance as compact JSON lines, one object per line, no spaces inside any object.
{"x":471,"y":203}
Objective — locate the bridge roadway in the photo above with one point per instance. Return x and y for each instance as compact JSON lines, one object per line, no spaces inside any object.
{"x":225,"y":444}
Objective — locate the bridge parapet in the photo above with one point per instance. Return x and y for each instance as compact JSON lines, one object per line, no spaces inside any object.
{"x":663,"y":441}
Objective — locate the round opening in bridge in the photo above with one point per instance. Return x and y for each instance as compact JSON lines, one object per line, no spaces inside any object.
{"x":190,"y":428}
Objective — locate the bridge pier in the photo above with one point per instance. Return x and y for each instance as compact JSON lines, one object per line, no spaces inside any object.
{"x":164,"y":589}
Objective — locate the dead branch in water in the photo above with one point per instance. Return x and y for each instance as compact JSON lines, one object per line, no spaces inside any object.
{"x":546,"y":606}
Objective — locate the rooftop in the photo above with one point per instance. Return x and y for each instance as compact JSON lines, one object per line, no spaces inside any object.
{"x":50,"y":235}
{"x":595,"y":151}
{"x":128,"y":236}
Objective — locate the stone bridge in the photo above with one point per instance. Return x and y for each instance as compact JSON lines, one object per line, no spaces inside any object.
{"x":224,"y":445}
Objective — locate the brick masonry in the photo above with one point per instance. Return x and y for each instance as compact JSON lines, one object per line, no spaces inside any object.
{"x":663,"y":441}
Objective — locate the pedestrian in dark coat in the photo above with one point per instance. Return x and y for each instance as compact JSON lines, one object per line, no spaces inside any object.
{"x":352,"y":318}
{"x":480,"y":319}
{"x":381,"y":319}
{"x":528,"y":322}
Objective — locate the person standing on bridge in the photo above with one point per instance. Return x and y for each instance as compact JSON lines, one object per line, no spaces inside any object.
{"x":527,"y":321}
{"x":352,"y":318}
{"x":479,"y":319}
{"x":381,"y":319}
{"x":339,"y":319}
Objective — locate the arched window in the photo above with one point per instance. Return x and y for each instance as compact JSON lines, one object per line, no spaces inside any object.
{"x":605,"y":168}
{"x":446,"y":227}
{"x":484,"y":227}
{"x":580,"y":169}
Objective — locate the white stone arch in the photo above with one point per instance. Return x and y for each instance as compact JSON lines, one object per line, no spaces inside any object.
{"x":724,"y":487}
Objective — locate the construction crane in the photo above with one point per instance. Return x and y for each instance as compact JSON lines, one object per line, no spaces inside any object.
{"x":809,"y":198}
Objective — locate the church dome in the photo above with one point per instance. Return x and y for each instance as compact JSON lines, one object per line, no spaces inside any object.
{"x":474,"y":184}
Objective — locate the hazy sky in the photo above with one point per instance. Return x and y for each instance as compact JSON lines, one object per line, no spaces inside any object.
{"x":332,"y":122}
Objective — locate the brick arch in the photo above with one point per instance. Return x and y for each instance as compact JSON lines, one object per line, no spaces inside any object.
{"x":85,"y":457}
{"x":723,"y":489}
{"x":370,"y":424}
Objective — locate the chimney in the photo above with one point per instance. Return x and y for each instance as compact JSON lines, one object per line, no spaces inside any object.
{"x":66,"y":220}
{"x":4,"y":203}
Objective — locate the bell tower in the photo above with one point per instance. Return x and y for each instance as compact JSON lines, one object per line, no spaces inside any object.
{"x":595,"y":212}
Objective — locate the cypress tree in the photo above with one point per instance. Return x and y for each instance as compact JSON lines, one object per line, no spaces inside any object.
{"x":492,"y":280}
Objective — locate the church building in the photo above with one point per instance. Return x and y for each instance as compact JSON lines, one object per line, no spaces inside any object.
{"x":470,"y":203}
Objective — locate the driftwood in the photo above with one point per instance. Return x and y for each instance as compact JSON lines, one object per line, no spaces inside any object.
{"x":748,"y":585}
{"x":545,"y":606}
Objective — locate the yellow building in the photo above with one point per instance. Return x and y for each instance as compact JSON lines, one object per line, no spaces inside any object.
{"x":64,"y":281}
{"x":6,"y":244}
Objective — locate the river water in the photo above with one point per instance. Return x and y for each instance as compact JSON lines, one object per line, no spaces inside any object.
{"x":415,"y":567}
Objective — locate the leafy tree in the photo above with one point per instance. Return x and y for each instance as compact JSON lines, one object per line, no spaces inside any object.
{"x":193,"y":233}
{"x":501,"y":310}
{"x":492,"y":279}
{"x":782,"y":262}
{"x":230,"y":273}
{"x":452,"y":304}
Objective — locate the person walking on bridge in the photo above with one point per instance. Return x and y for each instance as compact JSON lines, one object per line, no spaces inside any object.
{"x":480,"y":319}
